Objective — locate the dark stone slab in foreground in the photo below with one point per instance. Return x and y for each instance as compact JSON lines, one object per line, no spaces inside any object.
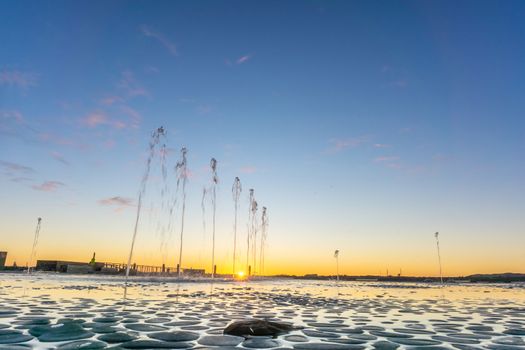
{"x":15,"y":347}
{"x":118,"y":337}
{"x":326,"y":346}
{"x":83,"y":344}
{"x":258,"y":328}
{"x":60,"y":332}
{"x":220,"y":340}
{"x":175,"y":336}
{"x":9,"y":336}
{"x":154,"y":344}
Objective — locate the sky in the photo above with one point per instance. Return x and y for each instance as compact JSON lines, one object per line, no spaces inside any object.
{"x":363,"y":126}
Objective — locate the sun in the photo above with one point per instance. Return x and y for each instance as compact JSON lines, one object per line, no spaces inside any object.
{"x":240,"y":275}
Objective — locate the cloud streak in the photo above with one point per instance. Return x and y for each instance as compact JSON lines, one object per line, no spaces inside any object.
{"x":120,"y":203}
{"x":96,"y":119}
{"x":14,"y":168}
{"x":130,"y":85}
{"x":248,"y":169}
{"x":58,"y":157}
{"x":14,"y":115}
{"x":18,"y":79}
{"x":49,"y":186}
{"x":339,"y":145}
{"x":172,"y":49}
{"x":384,"y":159}
{"x":243,"y":59}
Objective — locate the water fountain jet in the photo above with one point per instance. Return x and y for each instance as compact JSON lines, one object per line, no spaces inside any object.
{"x":154,"y":141}
{"x":436,"y":235}
{"x":264,"y":234}
{"x":35,"y":243}
{"x":215,"y":180}
{"x":236,"y":192}
{"x":182,"y":176}
{"x":336,"y":256}
{"x":251,"y":200}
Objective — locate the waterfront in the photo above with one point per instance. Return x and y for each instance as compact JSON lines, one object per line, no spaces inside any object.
{"x":158,"y":313}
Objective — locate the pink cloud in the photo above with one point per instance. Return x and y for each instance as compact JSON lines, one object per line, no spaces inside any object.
{"x":120,"y":203}
{"x":396,"y":166}
{"x":172,"y":49}
{"x":386,"y":159}
{"x":17,"y":79}
{"x":109,"y":144}
{"x":132,"y":87}
{"x":248,"y":170}
{"x":152,"y":69}
{"x":58,"y":157}
{"x":204,"y":109}
{"x":95,"y":119}
{"x":110,"y":100}
{"x":391,"y":162}
{"x":135,"y":116}
{"x":243,"y":59}
{"x":381,"y":145}
{"x":12,"y":115}
{"x":48,"y":186}
{"x":52,"y":138}
{"x":401,"y":83}
{"x":15,"y":168}
{"x":339,"y":145}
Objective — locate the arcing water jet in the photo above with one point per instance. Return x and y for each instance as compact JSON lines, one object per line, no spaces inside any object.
{"x":264,"y":234}
{"x":35,"y":243}
{"x":154,"y":141}
{"x":181,"y":171}
{"x":215,"y":180}
{"x":236,"y":193}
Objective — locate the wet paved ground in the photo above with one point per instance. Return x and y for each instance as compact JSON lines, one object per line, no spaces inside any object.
{"x":66,"y":312}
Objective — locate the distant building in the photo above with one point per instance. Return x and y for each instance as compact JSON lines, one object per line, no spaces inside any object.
{"x":67,"y":266}
{"x":3,"y":257}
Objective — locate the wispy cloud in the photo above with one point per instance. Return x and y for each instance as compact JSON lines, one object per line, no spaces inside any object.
{"x":248,"y":169}
{"x":134,"y":115}
{"x":243,"y":59}
{"x":60,"y":158}
{"x":21,"y":179}
{"x":400,"y":83}
{"x":203,"y":109}
{"x":18,"y":79}
{"x":130,"y":85}
{"x":389,"y":162}
{"x":338,"y":145}
{"x":381,"y":145}
{"x":12,"y":115}
{"x":49,"y":186}
{"x":120,"y":203}
{"x":110,"y":100}
{"x":11,"y":168}
{"x":152,"y":69}
{"x":383,"y":159}
{"x":59,"y":140}
{"x":172,"y":49}
{"x":95,"y":119}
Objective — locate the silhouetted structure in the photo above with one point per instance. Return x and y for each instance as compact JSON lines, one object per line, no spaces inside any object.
{"x":193,"y":272}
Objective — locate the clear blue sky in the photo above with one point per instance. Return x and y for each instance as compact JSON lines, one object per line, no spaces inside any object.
{"x":364,"y":126}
